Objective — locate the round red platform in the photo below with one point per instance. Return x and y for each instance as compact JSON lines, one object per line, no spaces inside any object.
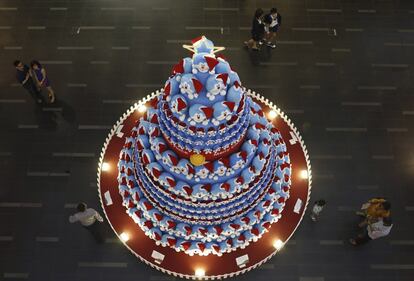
{"x":179,"y":263}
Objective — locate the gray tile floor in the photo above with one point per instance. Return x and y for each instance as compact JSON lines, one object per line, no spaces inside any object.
{"x":343,"y":71}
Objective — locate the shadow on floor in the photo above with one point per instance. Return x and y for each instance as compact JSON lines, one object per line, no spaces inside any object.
{"x":50,"y":116}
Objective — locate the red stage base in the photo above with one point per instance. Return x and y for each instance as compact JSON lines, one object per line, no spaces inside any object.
{"x":180,"y":264}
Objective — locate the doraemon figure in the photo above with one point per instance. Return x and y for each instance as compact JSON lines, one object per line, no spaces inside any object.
{"x":169,"y":158}
{"x":237,"y":160}
{"x":265,"y":136}
{"x":201,"y":190}
{"x":143,"y":127}
{"x":167,"y":223}
{"x":147,"y":156}
{"x":234,"y":78}
{"x":155,"y":170}
{"x":252,"y":234}
{"x":226,"y":245}
{"x":250,"y":147}
{"x":211,"y":131}
{"x":184,"y":66}
{"x":200,"y":63}
{"x":222,"y":129}
{"x":203,"y":66}
{"x":231,"y":228}
{"x":223,"y":66}
{"x":200,"y":132}
{"x":220,"y":190}
{"x":178,"y":105}
{"x":200,"y":114}
{"x":196,"y":248}
{"x":184,"y":230}
{"x":172,"y":86}
{"x":142,"y":142}
{"x":258,"y":162}
{"x":264,"y":148}
{"x":221,"y":168}
{"x":188,"y":65}
{"x":216,"y":85}
{"x":158,"y":145}
{"x":190,"y":86}
{"x":184,"y":188}
{"x":214,"y":247}
{"x":168,"y":240}
{"x":248,"y":175}
{"x":254,"y":131}
{"x":203,"y":171}
{"x":186,"y":168}
{"x":167,"y":180}
{"x":155,"y":234}
{"x":202,"y":45}
{"x":154,"y":131}
{"x":182,"y":126}
{"x":222,"y":111}
{"x":152,"y":116}
{"x":200,"y":232}
{"x":235,"y":94}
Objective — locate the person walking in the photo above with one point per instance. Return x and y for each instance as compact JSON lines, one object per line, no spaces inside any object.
{"x":257,"y":31}
{"x":41,"y":79}
{"x":376,"y":230}
{"x":272,"y":21}
{"x":24,"y":77}
{"x":89,"y":219}
{"x":317,"y":209}
{"x":374,"y":210}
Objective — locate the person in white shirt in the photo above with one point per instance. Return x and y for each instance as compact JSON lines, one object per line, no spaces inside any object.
{"x":89,"y":219}
{"x":317,"y":209}
{"x":375,"y":230}
{"x":272,"y":21}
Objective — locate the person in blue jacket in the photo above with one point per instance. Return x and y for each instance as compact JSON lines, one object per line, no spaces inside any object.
{"x":257,"y":30}
{"x":24,"y":77}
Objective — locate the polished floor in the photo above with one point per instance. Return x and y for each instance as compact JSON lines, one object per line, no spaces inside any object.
{"x":342,"y":70}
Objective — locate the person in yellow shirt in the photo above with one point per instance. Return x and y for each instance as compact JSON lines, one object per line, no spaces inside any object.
{"x":373,"y":210}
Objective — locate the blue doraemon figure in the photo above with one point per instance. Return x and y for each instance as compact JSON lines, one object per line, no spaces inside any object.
{"x":223,"y":66}
{"x":222,"y":112}
{"x":189,"y":86}
{"x":235,"y":94}
{"x":216,"y":86}
{"x":203,"y":66}
{"x":187,"y":65}
{"x":178,"y":106}
{"x":200,"y":114}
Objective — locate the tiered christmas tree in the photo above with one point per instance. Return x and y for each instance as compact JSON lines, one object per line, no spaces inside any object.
{"x":204,"y":172}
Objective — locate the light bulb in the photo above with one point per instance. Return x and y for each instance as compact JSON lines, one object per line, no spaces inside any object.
{"x":199,"y":272}
{"x":124,"y":236}
{"x":142,"y":108}
{"x":105,"y":166}
{"x":278,"y":244}
{"x":304,"y":174}
{"x":272,"y":114}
